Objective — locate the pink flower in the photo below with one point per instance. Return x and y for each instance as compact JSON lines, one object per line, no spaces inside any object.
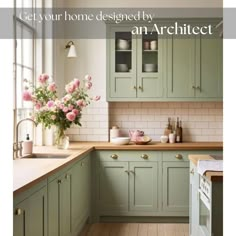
{"x":70,"y":116}
{"x":38,"y":105}
{"x":70,"y":107}
{"x":80,"y":103}
{"x":75,"y":111}
{"x":96,"y":98}
{"x":27,"y":96}
{"x":76,"y":82}
{"x":67,"y":98}
{"x":88,"y":85}
{"x":52,"y":87}
{"x":43,"y":78}
{"x":84,"y":104}
{"x":70,"y":88}
{"x":88,"y":77}
{"x":50,"y":103}
{"x":65,"y":109}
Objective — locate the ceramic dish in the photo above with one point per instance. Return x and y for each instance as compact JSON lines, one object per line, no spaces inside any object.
{"x":120,"y":140}
{"x":143,"y":140}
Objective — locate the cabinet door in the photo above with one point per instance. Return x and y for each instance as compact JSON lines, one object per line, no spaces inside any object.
{"x":209,"y":83}
{"x":113,"y":187}
{"x":181,"y":67}
{"x":143,"y":179}
{"x":122,"y":63}
{"x":193,"y":198}
{"x":176,"y":187}
{"x":149,"y":66}
{"x":30,"y":216}
{"x":59,"y":206}
{"x":80,"y":198}
{"x":65,"y":205}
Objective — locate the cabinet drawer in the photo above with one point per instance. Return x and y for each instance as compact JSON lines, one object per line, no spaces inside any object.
{"x":176,"y":156}
{"x":129,"y":155}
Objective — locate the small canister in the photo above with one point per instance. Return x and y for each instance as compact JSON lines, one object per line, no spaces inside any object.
{"x":114,"y":132}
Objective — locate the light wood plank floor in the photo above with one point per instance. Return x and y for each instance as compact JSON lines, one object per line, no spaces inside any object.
{"x":135,"y":229}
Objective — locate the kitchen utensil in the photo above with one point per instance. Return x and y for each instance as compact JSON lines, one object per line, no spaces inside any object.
{"x":122,"y":68}
{"x":150,"y":67}
{"x":135,"y":134}
{"x":122,"y":44}
{"x":153,"y":45}
{"x":120,"y":140}
{"x":142,"y":140}
{"x":164,"y":139}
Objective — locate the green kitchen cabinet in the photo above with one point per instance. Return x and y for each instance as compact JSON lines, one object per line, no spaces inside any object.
{"x":80,"y":193}
{"x":30,"y":214}
{"x":59,"y":205}
{"x":195,"y":68}
{"x":128,"y":184}
{"x":143,"y":186}
{"x":175,"y":180}
{"x":134,"y":73}
{"x":113,"y":187}
{"x":193,"y":201}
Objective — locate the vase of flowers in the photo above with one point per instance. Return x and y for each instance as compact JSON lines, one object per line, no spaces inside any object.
{"x":59,"y":112}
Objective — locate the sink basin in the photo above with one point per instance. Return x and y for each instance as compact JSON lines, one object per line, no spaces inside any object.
{"x":48,"y":156}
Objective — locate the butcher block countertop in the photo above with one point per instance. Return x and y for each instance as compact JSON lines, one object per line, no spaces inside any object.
{"x":28,"y":171}
{"x":211,"y":175}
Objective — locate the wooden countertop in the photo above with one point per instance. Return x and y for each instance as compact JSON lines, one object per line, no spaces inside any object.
{"x":211,"y":175}
{"x":151,"y":146}
{"x":27,"y":171}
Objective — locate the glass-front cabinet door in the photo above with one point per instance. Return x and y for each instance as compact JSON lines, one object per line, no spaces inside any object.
{"x":123,"y":63}
{"x":149,"y":68}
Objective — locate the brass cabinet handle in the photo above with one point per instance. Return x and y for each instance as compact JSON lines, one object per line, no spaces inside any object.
{"x":59,"y":181}
{"x":132,"y":172}
{"x":18,"y":211}
{"x":144,"y":156}
{"x":192,"y":172}
{"x":141,"y":88}
{"x":193,"y":87}
{"x":135,"y":87}
{"x":114,"y":156}
{"x":179,"y":157}
{"x":67,"y":176}
{"x":126,"y":171}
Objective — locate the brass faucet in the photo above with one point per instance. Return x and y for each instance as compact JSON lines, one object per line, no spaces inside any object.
{"x":17,"y":146}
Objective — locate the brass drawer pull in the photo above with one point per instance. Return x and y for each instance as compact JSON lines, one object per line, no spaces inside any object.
{"x":59,"y":181}
{"x":126,"y":171}
{"x":132,"y":172}
{"x":114,"y":156}
{"x":18,"y":211}
{"x":144,"y":156}
{"x":179,"y":157}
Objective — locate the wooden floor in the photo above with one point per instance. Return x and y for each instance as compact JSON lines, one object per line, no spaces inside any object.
{"x":136,"y":229}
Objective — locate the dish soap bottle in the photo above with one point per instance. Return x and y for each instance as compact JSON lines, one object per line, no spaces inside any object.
{"x":27,"y":145}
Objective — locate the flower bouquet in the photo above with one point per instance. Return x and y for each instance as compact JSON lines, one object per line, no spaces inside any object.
{"x":63,"y":112}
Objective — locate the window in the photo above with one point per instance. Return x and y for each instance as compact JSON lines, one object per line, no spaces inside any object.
{"x":25,"y":64}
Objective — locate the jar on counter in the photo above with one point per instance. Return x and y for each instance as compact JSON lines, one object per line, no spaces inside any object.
{"x":114,"y":132}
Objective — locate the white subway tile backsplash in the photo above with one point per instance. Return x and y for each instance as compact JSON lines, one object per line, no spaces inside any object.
{"x":200,"y":121}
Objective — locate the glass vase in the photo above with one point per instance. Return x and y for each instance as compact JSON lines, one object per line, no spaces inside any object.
{"x":62,"y":140}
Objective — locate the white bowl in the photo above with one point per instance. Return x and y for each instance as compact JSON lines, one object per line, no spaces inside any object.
{"x":122,"y":68}
{"x":164,"y":139}
{"x":122,"y":44}
{"x":120,"y":140}
{"x":150,"y":67}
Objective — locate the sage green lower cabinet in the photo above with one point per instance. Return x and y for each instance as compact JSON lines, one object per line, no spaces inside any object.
{"x":176,"y":188}
{"x":113,"y":187}
{"x":143,"y":193}
{"x":194,"y":201}
{"x":30,"y":214}
{"x":59,"y":206}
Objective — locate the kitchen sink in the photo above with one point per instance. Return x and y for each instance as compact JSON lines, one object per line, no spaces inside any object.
{"x":47,"y":156}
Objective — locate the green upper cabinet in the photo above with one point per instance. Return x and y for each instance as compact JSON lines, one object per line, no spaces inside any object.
{"x":152,"y":67}
{"x":30,"y":215}
{"x":133,"y":65}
